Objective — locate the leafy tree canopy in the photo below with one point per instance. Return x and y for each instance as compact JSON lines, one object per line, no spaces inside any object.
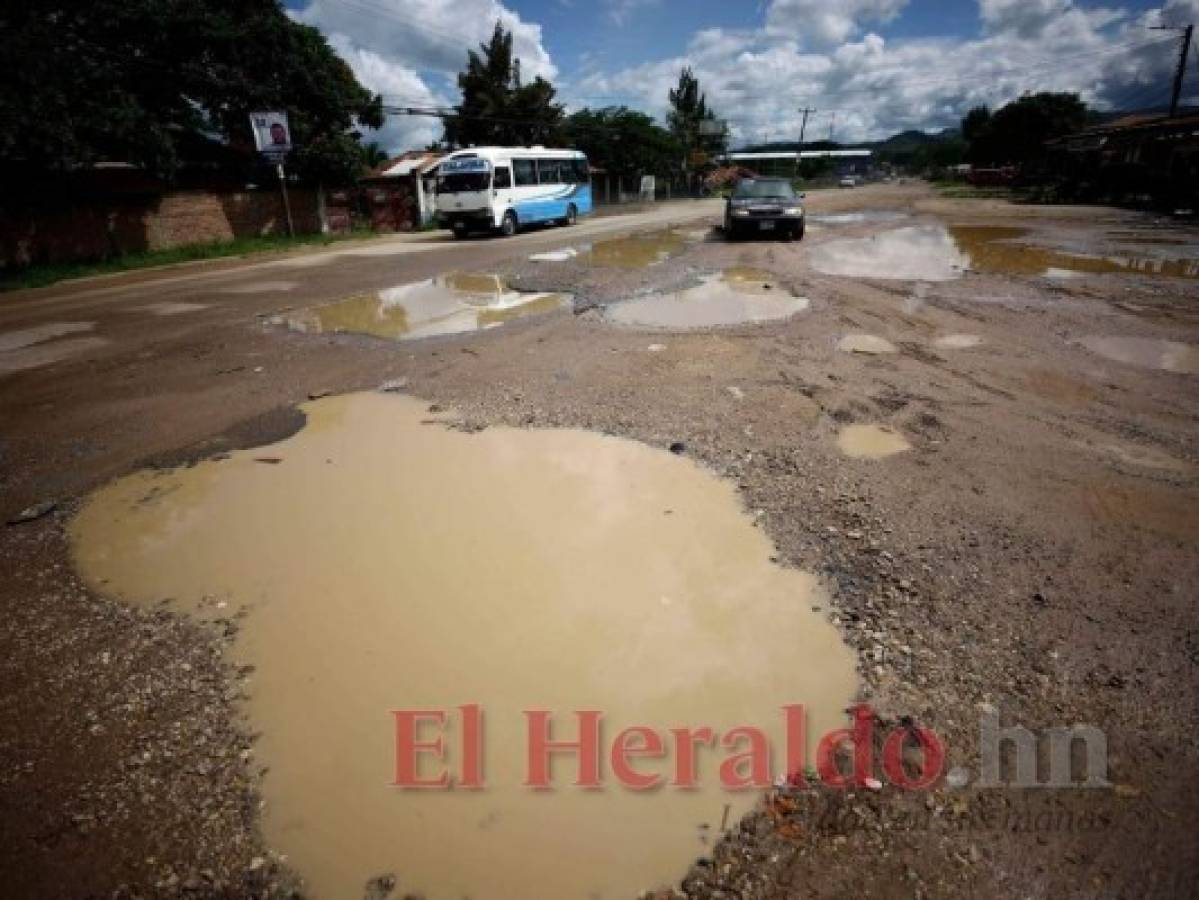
{"x":497,"y":108}
{"x":623,"y":141}
{"x":134,"y":80}
{"x":1016,"y":133}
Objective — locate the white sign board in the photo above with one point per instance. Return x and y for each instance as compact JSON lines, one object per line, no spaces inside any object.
{"x":271,"y":133}
{"x":647,"y":188}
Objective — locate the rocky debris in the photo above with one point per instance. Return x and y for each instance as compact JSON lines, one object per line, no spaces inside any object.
{"x":35,"y":512}
{"x":380,"y":887}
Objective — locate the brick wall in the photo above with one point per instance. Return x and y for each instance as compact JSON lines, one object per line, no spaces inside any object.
{"x":100,"y":229}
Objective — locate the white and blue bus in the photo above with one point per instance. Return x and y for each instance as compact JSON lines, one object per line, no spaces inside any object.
{"x":504,"y":188}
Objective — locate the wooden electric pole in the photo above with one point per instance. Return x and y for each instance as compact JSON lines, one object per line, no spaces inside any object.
{"x":802,"y":128}
{"x":1182,"y":67}
{"x":1180,"y":72}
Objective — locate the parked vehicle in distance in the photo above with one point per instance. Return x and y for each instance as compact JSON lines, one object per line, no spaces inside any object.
{"x":849,"y":181}
{"x":764,"y":205}
{"x":504,"y":188}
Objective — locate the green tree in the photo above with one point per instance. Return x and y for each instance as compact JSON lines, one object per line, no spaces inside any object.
{"x":623,"y":142}
{"x":134,"y":80}
{"x":976,"y":123}
{"x":1016,"y":133}
{"x":373,"y":155}
{"x":693,"y":124}
{"x":496,"y":107}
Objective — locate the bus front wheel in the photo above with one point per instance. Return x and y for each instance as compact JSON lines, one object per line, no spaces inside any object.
{"x":508,"y":225}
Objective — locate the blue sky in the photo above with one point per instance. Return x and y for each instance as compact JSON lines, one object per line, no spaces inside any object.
{"x":870,"y":67}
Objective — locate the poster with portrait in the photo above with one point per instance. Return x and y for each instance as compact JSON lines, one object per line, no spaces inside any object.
{"x":272,"y":135}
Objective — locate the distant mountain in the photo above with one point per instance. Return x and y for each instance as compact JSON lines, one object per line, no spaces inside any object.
{"x":903,"y":142}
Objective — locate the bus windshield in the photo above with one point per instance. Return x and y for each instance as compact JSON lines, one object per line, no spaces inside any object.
{"x":461,"y":182}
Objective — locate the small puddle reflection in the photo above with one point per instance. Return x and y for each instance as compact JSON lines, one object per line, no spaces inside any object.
{"x":392,"y":565}
{"x":865,"y":343}
{"x":1168,"y":356}
{"x":857,"y":218}
{"x":957,"y":341}
{"x":449,"y":304}
{"x":994,"y":249}
{"x":736,"y":296}
{"x":870,"y":442}
{"x":636,"y":251}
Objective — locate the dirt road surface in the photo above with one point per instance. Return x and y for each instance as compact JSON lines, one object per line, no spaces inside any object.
{"x":1031,"y":554}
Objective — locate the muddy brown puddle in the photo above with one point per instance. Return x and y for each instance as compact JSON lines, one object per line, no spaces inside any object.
{"x":388,"y":564}
{"x":938,"y":253}
{"x":457,"y":303}
{"x":637,"y":251}
{"x":870,"y":442}
{"x":736,"y":296}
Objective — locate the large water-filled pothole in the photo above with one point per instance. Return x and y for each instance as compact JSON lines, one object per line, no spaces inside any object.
{"x":735,"y":296}
{"x":448,"y":304}
{"x":998,"y":250}
{"x":914,"y":253}
{"x":393,"y":565}
{"x":637,"y":251}
{"x":937,"y":253}
{"x":1150,"y":353}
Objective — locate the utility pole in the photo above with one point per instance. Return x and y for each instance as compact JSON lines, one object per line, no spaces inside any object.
{"x":1180,"y":72}
{"x":831,"y":125}
{"x":802,"y":128}
{"x":1182,"y":67}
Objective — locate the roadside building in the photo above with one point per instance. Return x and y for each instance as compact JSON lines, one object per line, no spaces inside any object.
{"x":1152,"y":158}
{"x":400,"y":192}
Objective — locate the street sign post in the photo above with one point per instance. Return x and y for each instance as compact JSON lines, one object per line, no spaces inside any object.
{"x":272,"y":138}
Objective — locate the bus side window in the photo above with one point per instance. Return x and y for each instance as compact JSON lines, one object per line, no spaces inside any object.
{"x":549,"y":171}
{"x":503,"y":177}
{"x":581,"y":173}
{"x":524,"y":172}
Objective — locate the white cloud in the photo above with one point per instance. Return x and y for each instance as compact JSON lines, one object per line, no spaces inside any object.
{"x":411,"y":50}
{"x":620,"y":11}
{"x":760,"y":78}
{"x":827,"y":22}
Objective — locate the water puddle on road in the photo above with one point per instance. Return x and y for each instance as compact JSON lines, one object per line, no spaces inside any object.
{"x":937,"y":253}
{"x":1168,"y":356}
{"x":27,"y":337}
{"x":915,"y":253}
{"x":449,"y":304}
{"x":865,"y":343}
{"x":860,"y":217}
{"x":995,"y":250}
{"x":39,"y":355}
{"x":32,"y":348}
{"x":171,"y":308}
{"x":870,"y":442}
{"x":957,"y":341}
{"x":389,"y":565}
{"x":261,"y":287}
{"x":737,"y":296}
{"x":636,"y":251}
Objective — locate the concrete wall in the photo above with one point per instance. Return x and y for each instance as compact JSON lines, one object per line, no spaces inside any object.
{"x":98,"y":229}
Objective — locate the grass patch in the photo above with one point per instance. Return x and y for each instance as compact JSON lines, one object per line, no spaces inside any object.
{"x":960,"y":190}
{"x":40,"y":275}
